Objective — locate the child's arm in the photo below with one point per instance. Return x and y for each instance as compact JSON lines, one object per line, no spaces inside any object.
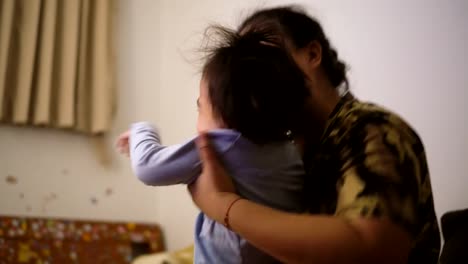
{"x":155,"y":164}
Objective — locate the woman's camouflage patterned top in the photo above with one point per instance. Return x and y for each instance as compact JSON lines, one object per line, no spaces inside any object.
{"x":371,"y":163}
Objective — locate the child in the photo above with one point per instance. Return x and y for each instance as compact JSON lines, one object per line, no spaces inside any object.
{"x":252,"y":97}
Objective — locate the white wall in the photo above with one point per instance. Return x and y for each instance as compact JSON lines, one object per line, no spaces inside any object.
{"x":407,"y":55}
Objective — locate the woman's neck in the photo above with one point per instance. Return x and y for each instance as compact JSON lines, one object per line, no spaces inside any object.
{"x":324,"y":98}
{"x":322,"y":101}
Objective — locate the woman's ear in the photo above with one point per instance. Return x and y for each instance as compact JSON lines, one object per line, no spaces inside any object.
{"x":314,"y":54}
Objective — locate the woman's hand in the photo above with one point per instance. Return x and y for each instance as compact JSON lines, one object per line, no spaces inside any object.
{"x":213,"y":190}
{"x":122,"y":144}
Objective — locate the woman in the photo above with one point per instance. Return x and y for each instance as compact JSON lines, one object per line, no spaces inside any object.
{"x":368,"y":182}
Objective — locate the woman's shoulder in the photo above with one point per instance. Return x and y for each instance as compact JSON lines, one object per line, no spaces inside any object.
{"x":355,"y":112}
{"x":354,"y":117}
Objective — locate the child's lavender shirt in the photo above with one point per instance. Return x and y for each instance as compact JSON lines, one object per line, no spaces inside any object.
{"x":269,"y":174}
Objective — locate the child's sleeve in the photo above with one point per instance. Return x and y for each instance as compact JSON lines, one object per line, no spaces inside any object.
{"x":155,"y":164}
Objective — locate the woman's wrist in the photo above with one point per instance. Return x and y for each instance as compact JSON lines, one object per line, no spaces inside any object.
{"x":222,"y":204}
{"x":226,"y":215}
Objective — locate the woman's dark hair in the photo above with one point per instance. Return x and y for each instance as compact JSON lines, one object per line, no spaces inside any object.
{"x":254,"y":85}
{"x":298,"y":29}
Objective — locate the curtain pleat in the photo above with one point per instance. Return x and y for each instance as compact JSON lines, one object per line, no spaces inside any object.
{"x":66,"y":70}
{"x":28,"y":28}
{"x":100,"y":78}
{"x":83,"y":82}
{"x":42,"y":104}
{"x":6,"y":22}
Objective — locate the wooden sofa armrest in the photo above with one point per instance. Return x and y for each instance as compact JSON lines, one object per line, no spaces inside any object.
{"x":53,"y":240}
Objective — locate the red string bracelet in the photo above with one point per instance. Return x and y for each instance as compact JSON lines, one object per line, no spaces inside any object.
{"x":226,"y":217}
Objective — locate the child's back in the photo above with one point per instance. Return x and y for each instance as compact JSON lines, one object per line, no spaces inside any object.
{"x":270,"y":174}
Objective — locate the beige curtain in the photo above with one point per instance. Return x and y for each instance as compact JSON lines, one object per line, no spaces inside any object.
{"x":56,"y":64}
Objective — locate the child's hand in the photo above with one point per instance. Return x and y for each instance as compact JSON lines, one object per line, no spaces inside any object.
{"x":122,"y":143}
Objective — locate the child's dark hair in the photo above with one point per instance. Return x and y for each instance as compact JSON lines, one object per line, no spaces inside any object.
{"x":254,"y":86}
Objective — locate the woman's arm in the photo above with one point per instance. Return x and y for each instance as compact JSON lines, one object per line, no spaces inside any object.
{"x":294,"y":238}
